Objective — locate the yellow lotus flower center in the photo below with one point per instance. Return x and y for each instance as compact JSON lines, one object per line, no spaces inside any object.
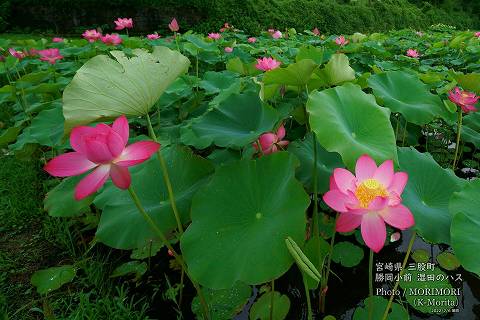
{"x":368,"y":190}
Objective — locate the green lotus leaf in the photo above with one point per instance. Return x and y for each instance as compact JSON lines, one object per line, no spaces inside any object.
{"x":136,"y":268}
{"x":296,"y":74}
{"x":60,"y":202}
{"x":107,"y":88}
{"x":53,"y":278}
{"x":421,"y":256}
{"x":470,"y":81}
{"x":240,"y":221}
{"x":310,"y":52}
{"x":471,"y":128}
{"x":378,"y":305}
{"x":347,"y":254}
{"x":261,"y":308}
{"x":348,"y":121}
{"x":448,"y":261}
{"x":337,"y":70}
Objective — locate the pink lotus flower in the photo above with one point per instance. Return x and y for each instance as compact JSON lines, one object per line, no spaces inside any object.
{"x":111,"y":39}
{"x":341,"y":41}
{"x":369,"y":199}
{"x":477,"y":34}
{"x":58,"y":39}
{"x":272,"y":142}
{"x":123,"y":23}
{"x":412,"y":53}
{"x":228,"y":49}
{"x":252,"y":40}
{"x":173,"y":25}
{"x":153,"y":36}
{"x":316,"y":31}
{"x":50,"y":55}
{"x":271,"y":31}
{"x":464,"y":99}
{"x":91,"y":35}
{"x":214,"y":36}
{"x":267,"y":64}
{"x":276,"y":35}
{"x":17,"y":54}
{"x":32,"y":52}
{"x":104,"y":148}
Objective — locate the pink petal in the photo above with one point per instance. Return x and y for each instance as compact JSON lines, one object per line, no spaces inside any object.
{"x":97,"y":151}
{"x":69,"y":164}
{"x":120,"y":126}
{"x":347,"y":222}
{"x":115,"y":143}
{"x":399,"y":217}
{"x":365,"y":168}
{"x":120,"y":176}
{"x":267,"y":139}
{"x":333,"y":185}
{"x":336,"y":200}
{"x":344,"y":179}
{"x":281,"y":132}
{"x":91,"y":183}
{"x":398,"y":182}
{"x":374,"y":231}
{"x":283,"y":144}
{"x":76,"y":137}
{"x":378,"y":203}
{"x":384,"y":173}
{"x":137,"y":153}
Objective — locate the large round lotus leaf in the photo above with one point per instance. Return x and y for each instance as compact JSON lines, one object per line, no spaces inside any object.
{"x":60,"y":202}
{"x":378,"y":305}
{"x":347,"y":254}
{"x":465,"y":230}
{"x":470,"y":81}
{"x":296,"y":74}
{"x":337,"y":70}
{"x":427,"y":193}
{"x":471,"y":128}
{"x":236,"y":122}
{"x":404,"y":93}
{"x":240,"y":220}
{"x":261,"y":308}
{"x":105,"y":88}
{"x":52,"y":278}
{"x":348,"y":121}
{"x":121,"y":225}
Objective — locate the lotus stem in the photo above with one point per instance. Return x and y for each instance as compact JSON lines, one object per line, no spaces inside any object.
{"x":370,"y":284}
{"x":272,"y":299}
{"x":307,"y":295}
{"x":324,"y":286}
{"x":457,"y":143}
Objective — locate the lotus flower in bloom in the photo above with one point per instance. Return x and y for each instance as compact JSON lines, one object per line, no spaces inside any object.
{"x":316,"y":31}
{"x":57,"y":39}
{"x":477,"y":34}
{"x":92,"y":35}
{"x":225,"y":27}
{"x":153,"y":36}
{"x":50,"y":55}
{"x":370,"y":198}
{"x":267,"y":64}
{"x":123,"y":23}
{"x":228,"y":49}
{"x":16,"y":54}
{"x":341,"y":41}
{"x":103,"y":148}
{"x":276,"y":35}
{"x":173,"y":25}
{"x":252,"y":40}
{"x":412,"y":53}
{"x":464,"y":99}
{"x":111,"y":39}
{"x":214,"y":36}
{"x":272,"y":142}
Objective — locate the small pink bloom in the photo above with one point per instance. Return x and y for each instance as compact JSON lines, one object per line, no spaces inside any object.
{"x":341,"y":41}
{"x":276,"y":35}
{"x":153,"y":36}
{"x":214,"y":36}
{"x":477,"y":34}
{"x":32,"y":52}
{"x":267,"y":64}
{"x":123,"y":23}
{"x":111,"y":39}
{"x":316,"y":31}
{"x":272,"y":142}
{"x":228,"y":49}
{"x":170,"y":253}
{"x":173,"y":25}
{"x":17,"y":54}
{"x":91,"y":35}
{"x":271,"y":31}
{"x":370,"y":198}
{"x":252,"y":40}
{"x":58,"y":39}
{"x":103,"y":148}
{"x":464,"y":99}
{"x":50,"y":55}
{"x":412,"y":53}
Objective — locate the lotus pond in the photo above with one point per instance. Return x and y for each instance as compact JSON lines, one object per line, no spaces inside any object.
{"x":291,"y":175}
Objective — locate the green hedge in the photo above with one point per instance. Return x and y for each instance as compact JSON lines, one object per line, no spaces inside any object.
{"x":330,"y":16}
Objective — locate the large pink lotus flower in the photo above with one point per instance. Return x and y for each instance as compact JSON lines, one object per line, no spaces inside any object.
{"x":111,"y":39}
{"x":267,"y":64}
{"x":341,"y":41}
{"x":104,"y":148}
{"x":477,"y":34}
{"x":272,"y":142}
{"x":252,"y":40}
{"x":153,"y":36}
{"x":123,"y":23}
{"x":173,"y":25}
{"x":412,"y":53}
{"x":370,"y":198}
{"x":92,"y":35}
{"x":214,"y":36}
{"x":50,"y":55}
{"x":277,"y":34}
{"x":464,"y":99}
{"x":57,"y":39}
{"x":16,"y":54}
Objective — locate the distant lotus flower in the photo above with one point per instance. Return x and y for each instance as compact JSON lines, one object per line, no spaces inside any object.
{"x":272,"y":142}
{"x":267,"y":64}
{"x":111,"y":39}
{"x":58,"y":39}
{"x":341,"y":41}
{"x":173,"y":25}
{"x":412,"y":53}
{"x":271,"y":31}
{"x":92,"y":35}
{"x":32,"y":52}
{"x":214,"y":36}
{"x":50,"y":55}
{"x":104,"y":148}
{"x":153,"y":36}
{"x":370,"y":198}
{"x":252,"y":40}
{"x":123,"y":23}
{"x":464,"y":99}
{"x":316,"y":31}
{"x":276,"y":35}
{"x":228,"y":49}
{"x":477,"y":34}
{"x":419,"y":33}
{"x":16,"y":54}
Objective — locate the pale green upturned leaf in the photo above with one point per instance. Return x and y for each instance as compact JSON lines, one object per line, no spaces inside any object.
{"x":107,"y":88}
{"x":52,"y":278}
{"x":296,"y":74}
{"x":337,"y":70}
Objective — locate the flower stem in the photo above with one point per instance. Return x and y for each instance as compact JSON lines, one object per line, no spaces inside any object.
{"x":370,"y":284}
{"x":176,"y":41}
{"x":272,"y":299}
{"x":307,"y":295}
{"x":323,"y":292}
{"x":407,"y":255}
{"x":457,"y":143}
